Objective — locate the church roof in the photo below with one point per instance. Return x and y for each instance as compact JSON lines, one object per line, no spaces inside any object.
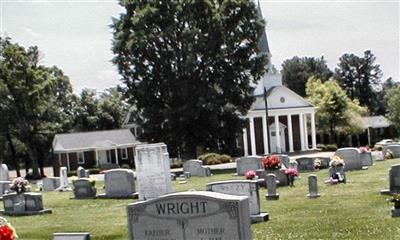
{"x":376,"y":122}
{"x":280,"y":97}
{"x":92,"y":140}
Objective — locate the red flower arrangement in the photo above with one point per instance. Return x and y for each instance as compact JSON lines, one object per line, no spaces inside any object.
{"x":250,"y":175}
{"x":271,"y":162}
{"x":7,"y":232}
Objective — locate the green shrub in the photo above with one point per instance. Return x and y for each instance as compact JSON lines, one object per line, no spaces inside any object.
{"x":176,"y":165}
{"x":214,"y":158}
{"x":327,"y":147}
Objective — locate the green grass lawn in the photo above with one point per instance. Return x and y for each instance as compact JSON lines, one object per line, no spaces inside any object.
{"x":355,"y":210}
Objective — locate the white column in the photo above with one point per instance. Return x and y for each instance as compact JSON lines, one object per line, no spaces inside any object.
{"x":301,"y":125}
{"x":245,"y":143}
{"x":290,"y":132}
{"x":305,"y":132}
{"x":97,"y":158}
{"x":69,"y":168}
{"x":278,"y":137}
{"x":265,"y":135}
{"x":313,"y":133}
{"x":252,"y":136}
{"x":116,"y":156}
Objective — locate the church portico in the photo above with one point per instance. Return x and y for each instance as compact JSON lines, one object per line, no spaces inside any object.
{"x":288,"y":131}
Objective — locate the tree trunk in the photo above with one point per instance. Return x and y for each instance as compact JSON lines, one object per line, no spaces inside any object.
{"x":13,"y":154}
{"x":33,"y":156}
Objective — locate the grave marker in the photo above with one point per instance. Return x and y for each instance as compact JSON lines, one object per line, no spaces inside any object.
{"x":191,"y":215}
{"x":4,"y":179}
{"x":120,"y":183}
{"x":196,"y":168}
{"x":84,"y":189}
{"x":247,"y":188}
{"x":394,"y":180}
{"x":152,"y":170}
{"x":351,"y":157}
{"x":313,"y":187}
{"x":271,"y":187}
{"x":245,"y":164}
{"x":305,"y":164}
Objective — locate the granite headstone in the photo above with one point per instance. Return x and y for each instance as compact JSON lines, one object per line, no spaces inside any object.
{"x":191,"y":215}
{"x":351,"y":157}
{"x":247,"y":188}
{"x":196,"y":168}
{"x":245,"y":164}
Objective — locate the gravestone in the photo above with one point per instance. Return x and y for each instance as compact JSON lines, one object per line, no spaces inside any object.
{"x":305,"y":164}
{"x":191,"y":215}
{"x":313,"y":187}
{"x":281,"y":177}
{"x":271,"y":187}
{"x":351,"y":157}
{"x":23,"y":204}
{"x":245,"y":164}
{"x":84,"y":189}
{"x":196,"y":168}
{"x":81,"y":172}
{"x":71,"y":236}
{"x":87,"y":174}
{"x":4,"y":179}
{"x":120,"y":183}
{"x":395,"y":148}
{"x":63,"y":180}
{"x":284,"y":159}
{"x":394,"y":180}
{"x":50,"y":183}
{"x":152,"y":170}
{"x":324,"y":162}
{"x":366,"y":159}
{"x":247,"y":188}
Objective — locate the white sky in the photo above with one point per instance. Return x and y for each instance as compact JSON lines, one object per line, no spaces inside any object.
{"x":75,"y":34}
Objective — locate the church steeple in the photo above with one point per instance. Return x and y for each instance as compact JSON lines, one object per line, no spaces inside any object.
{"x":263,"y":45}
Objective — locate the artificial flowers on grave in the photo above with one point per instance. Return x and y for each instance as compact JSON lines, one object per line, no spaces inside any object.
{"x":7,"y":232}
{"x":271,"y":162}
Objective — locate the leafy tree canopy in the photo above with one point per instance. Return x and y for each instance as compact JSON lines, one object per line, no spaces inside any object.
{"x":335,"y":111}
{"x":187,"y":66}
{"x":32,"y":106}
{"x":360,"y":78}
{"x":393,"y":103}
{"x":296,"y":71}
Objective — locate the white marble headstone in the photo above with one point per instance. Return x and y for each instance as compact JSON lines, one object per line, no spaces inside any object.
{"x":152,"y":170}
{"x":63,"y":178}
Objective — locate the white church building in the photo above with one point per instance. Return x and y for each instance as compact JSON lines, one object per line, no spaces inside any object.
{"x":291,"y":118}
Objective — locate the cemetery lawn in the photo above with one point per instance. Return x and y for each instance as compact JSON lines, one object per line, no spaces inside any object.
{"x":355,"y":210}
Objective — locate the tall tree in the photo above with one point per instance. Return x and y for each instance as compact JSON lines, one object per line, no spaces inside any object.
{"x":393,"y":103}
{"x":29,"y":97}
{"x":113,"y":108}
{"x":188,"y":67}
{"x":296,"y":71}
{"x":336,"y":113}
{"x":87,"y":111}
{"x":360,"y":78}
